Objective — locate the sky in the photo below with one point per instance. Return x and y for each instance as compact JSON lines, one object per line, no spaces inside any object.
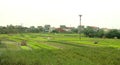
{"x":100,"y":13}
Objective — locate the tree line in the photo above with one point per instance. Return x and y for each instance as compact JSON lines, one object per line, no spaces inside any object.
{"x":101,"y":33}
{"x":88,"y":31}
{"x":19,"y":29}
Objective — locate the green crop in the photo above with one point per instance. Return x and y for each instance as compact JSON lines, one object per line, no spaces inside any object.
{"x":57,"y":49}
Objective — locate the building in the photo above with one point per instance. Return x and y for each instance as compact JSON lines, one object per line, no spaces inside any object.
{"x":65,"y":29}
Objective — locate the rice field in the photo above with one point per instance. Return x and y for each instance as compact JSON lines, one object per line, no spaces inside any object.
{"x":57,"y":49}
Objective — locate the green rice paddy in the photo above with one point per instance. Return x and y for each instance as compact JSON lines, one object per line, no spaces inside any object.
{"x":58,"y":49}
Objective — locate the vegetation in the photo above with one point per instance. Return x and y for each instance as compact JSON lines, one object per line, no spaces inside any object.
{"x":97,"y":32}
{"x":89,"y":31}
{"x":113,"y":33}
{"x":57,"y":49}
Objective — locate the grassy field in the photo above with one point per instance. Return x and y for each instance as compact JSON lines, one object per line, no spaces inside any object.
{"x":57,"y":49}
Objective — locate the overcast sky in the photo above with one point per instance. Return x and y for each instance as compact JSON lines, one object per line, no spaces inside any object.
{"x":101,"y":13}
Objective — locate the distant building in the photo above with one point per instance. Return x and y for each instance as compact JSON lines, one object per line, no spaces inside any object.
{"x":64,"y":29}
{"x":68,"y":29}
{"x":94,"y":27}
{"x":60,"y":30}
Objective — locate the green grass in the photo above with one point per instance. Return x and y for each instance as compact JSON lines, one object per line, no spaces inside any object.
{"x":58,"y":49}
{"x":25,"y":48}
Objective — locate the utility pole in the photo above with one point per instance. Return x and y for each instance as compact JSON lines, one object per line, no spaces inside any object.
{"x":80,"y":28}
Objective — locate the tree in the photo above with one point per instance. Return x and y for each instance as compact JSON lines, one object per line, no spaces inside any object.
{"x":99,"y":33}
{"x":55,"y":31}
{"x":47,"y":28}
{"x":113,"y":33}
{"x":74,"y":30}
{"x":10,"y":29}
{"x":89,"y":31}
{"x":33,"y":29}
{"x":40,"y":28}
{"x":92,"y":31}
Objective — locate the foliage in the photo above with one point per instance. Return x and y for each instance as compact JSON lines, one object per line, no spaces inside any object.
{"x":113,"y":33}
{"x":96,"y":32}
{"x":55,"y":31}
{"x":100,"y":33}
{"x":90,"y":32}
